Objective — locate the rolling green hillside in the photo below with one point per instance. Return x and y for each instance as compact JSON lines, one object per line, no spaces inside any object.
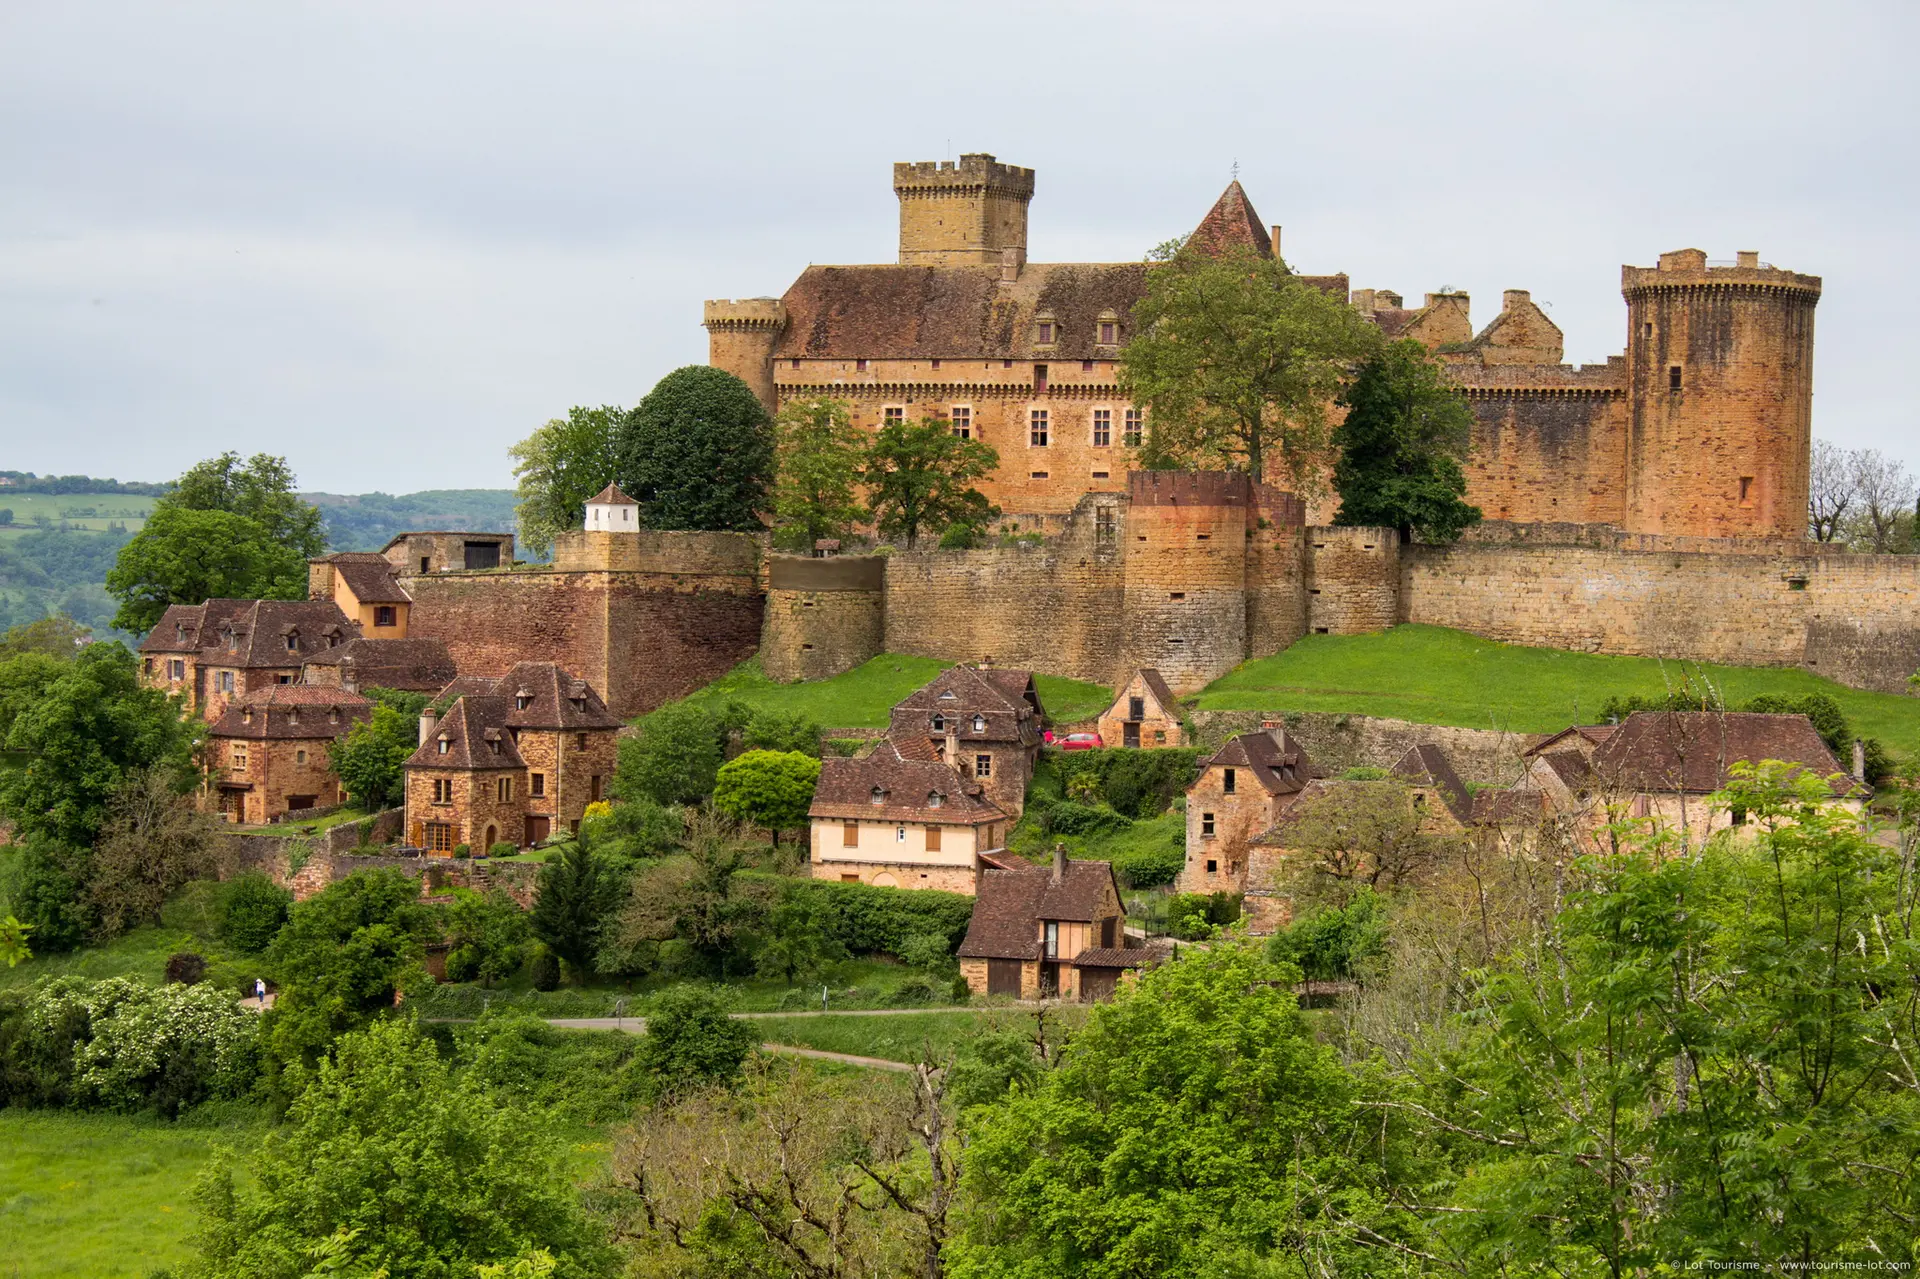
{"x":862,"y":697}
{"x":1436,"y":676}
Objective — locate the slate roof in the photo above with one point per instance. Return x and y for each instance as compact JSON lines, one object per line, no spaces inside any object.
{"x":1274,"y":757}
{"x":414,"y":665}
{"x":1231,"y":224}
{"x":1006,"y":699}
{"x":1427,"y":765}
{"x":370,"y":576}
{"x":292,"y":712}
{"x":260,"y":630}
{"x":846,"y":790}
{"x":1010,"y":905}
{"x":1690,"y":751}
{"x":478,"y":738}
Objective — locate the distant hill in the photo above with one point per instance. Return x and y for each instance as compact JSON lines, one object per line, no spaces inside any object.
{"x":368,"y":521}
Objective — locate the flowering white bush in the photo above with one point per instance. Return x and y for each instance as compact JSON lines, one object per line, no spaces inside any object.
{"x":135,"y":1046}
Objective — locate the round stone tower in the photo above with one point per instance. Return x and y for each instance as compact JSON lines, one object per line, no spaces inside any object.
{"x":1185,"y":605}
{"x":1721,"y":396}
{"x":824,"y":616}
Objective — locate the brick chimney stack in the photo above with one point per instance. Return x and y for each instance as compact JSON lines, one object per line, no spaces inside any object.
{"x":429,"y":720}
{"x":1059,"y":862}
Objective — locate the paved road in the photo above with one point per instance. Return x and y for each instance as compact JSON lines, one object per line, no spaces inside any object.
{"x":639,"y":1024}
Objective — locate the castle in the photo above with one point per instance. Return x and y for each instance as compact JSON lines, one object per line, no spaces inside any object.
{"x":1701,"y":428}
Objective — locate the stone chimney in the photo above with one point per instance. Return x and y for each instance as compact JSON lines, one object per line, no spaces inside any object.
{"x":1059,"y":862}
{"x":429,"y":720}
{"x":985,"y":663}
{"x":1749,"y":259}
{"x":1859,"y":760}
{"x":1276,"y":242}
{"x":952,"y":753}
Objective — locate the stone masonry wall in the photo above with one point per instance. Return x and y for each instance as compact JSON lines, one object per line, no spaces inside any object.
{"x":1337,"y":742}
{"x":1353,"y":580}
{"x":824,"y":616}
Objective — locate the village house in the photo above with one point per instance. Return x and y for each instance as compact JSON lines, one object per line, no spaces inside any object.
{"x":902,"y":817}
{"x":1242,"y":790}
{"x":267,"y":754}
{"x":1144,"y":713}
{"x":367,"y":588}
{"x":407,"y":665}
{"x":1046,"y":932}
{"x":512,"y":760}
{"x":447,"y":551}
{"x":213,"y":652}
{"x":992,"y":719}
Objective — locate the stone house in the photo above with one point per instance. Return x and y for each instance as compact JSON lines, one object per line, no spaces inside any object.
{"x":1242,"y":790}
{"x":989,"y":719}
{"x":902,"y":817}
{"x":1144,"y":713}
{"x":445,"y":551}
{"x":1046,"y":932}
{"x":212,"y":653}
{"x":512,"y":760}
{"x":409,"y":665}
{"x":267,"y":754}
{"x":367,"y":588}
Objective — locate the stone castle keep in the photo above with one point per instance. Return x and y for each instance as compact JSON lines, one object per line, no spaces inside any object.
{"x":1652,"y":505}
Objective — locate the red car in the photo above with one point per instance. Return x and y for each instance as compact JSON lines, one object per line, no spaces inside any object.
{"x":1081,"y":742}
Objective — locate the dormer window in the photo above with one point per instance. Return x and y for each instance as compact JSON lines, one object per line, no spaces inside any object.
{"x":493,"y":747}
{"x":979,"y":723}
{"x":579,"y":703}
{"x":179,"y":633}
{"x":934,"y":799}
{"x":229,"y":637}
{"x":879,"y":795}
{"x":949,"y":696}
{"x":1046,"y":330}
{"x":246,"y":714}
{"x":293,"y":715}
{"x":333,"y":715}
{"x":293,"y":642}
{"x":939,"y":723}
{"x":522,"y":701}
{"x":443,"y":744}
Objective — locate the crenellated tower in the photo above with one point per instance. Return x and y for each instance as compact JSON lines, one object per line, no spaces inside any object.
{"x":1720,"y":399}
{"x":740,"y":339}
{"x":973,"y":213}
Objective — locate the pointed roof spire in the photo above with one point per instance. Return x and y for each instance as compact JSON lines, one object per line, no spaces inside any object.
{"x":1231,"y":224}
{"x":611,"y":496}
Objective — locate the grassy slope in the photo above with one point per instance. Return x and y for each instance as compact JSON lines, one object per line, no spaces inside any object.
{"x":1436,"y":676}
{"x":100,"y":1196}
{"x":903,"y":1037}
{"x":130,"y":509}
{"x":862,"y":697}
{"x":186,"y":924}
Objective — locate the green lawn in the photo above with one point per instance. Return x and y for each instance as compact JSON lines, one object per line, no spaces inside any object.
{"x":101,"y":1196}
{"x":902,"y":1036}
{"x":862,"y":697}
{"x":1432,"y":675}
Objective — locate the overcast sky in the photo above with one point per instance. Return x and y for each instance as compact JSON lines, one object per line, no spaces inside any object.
{"x":388,"y":240}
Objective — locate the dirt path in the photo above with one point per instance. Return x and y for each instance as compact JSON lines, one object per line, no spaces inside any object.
{"x":638,"y":1026}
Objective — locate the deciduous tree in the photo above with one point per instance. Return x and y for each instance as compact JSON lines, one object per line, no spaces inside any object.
{"x":189,"y":556}
{"x":919,"y":477}
{"x":55,"y":635}
{"x":1832,"y":489}
{"x":697,"y":452}
{"x":368,"y":759}
{"x":818,"y":452}
{"x":559,"y":467}
{"x":262,"y":489}
{"x":673,"y":759}
{"x":1406,"y":432}
{"x":154,"y":842}
{"x":1235,"y":359}
{"x":768,"y":789}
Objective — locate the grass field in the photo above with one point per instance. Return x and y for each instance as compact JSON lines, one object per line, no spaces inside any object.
{"x":903,"y":1036}
{"x":862,"y":697}
{"x":1436,"y":676}
{"x":102,"y":1196}
{"x":129,"y":509}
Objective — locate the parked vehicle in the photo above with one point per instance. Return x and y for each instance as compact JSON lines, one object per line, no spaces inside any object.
{"x":1081,"y":742}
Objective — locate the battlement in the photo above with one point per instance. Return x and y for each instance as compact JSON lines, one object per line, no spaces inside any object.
{"x":1188,"y":488}
{"x":747,"y":314}
{"x":976,"y":173}
{"x":1689,"y":268}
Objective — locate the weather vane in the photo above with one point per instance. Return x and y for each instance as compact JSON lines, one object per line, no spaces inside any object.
{"x":1236,"y":170}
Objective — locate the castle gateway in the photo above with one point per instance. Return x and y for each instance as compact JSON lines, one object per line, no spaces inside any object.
{"x":1701,"y":428}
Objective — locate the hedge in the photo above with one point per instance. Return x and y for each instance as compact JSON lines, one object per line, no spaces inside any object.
{"x":1136,"y":783}
{"x":867,"y":920}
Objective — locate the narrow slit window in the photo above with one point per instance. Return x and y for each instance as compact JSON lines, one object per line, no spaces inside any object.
{"x":1673,"y":377}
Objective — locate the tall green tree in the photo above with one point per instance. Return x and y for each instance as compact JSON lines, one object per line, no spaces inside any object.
{"x":261,"y":489}
{"x":768,"y":789}
{"x":368,"y":759}
{"x":388,"y":1165}
{"x":86,"y":727}
{"x":1406,"y":432}
{"x":559,"y":467}
{"x":818,"y":454}
{"x":578,"y":891}
{"x":919,"y":478}
{"x":187,"y":556}
{"x":155,"y":841}
{"x":673,"y":759}
{"x":56,"y":635}
{"x":697,"y":452}
{"x":1236,"y":358}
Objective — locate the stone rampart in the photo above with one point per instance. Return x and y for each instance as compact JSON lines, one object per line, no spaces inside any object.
{"x":824,"y":616}
{"x":1353,"y":580}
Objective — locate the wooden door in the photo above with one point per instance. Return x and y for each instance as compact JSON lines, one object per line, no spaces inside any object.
{"x":1097,"y":984}
{"x":1003,"y":977}
{"x":538,"y":828}
{"x":1130,"y":735}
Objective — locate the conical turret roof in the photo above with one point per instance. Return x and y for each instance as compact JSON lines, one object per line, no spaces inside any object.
{"x":611,"y":496}
{"x":1231,"y":224}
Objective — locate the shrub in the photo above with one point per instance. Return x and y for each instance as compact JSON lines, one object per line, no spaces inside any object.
{"x":1195,"y":916}
{"x":691,"y":1041}
{"x":1336,"y":941}
{"x":504,"y":848}
{"x":1135,"y":783}
{"x":958,"y":990}
{"x":962,"y":537}
{"x":674,"y":758}
{"x":1068,"y":818}
{"x":546,"y":970}
{"x":868,"y":920}
{"x":1364,"y":773}
{"x":251,"y":912}
{"x":914,"y":991}
{"x":461,"y":852}
{"x":771,"y":730}
{"x":580,"y":1077}
{"x":1150,"y":867}
{"x":463,"y":963}
{"x":184,"y":968}
{"x":927,"y":950}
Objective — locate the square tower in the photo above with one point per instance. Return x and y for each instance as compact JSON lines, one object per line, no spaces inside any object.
{"x":973,"y":213}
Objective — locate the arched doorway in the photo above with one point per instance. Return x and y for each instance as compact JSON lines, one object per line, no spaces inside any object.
{"x":885,"y":879}
{"x":493,"y":837}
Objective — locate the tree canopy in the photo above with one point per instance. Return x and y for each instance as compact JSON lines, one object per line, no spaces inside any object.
{"x":1406,"y":432}
{"x":919,"y":478}
{"x":262,"y":490}
{"x":818,"y":452}
{"x":368,"y":759}
{"x":186,"y":556}
{"x":1235,"y":359}
{"x":769,"y":789}
{"x":559,"y":467}
{"x":697,"y":452}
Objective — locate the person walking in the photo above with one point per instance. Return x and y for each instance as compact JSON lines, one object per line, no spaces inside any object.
{"x":260,"y":991}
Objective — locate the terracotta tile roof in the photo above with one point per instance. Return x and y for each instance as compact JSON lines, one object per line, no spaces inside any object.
{"x":477,"y":735}
{"x":260,"y":629}
{"x":292,"y":712}
{"x":1273,"y":756}
{"x":412,"y":665}
{"x":1123,"y":957}
{"x":1427,"y":765}
{"x":1580,"y":734}
{"x":1011,"y":904}
{"x":371,"y":577}
{"x":554,"y":700}
{"x":920,"y":312}
{"x":1570,"y":766}
{"x":906,"y":787}
{"x":611,"y":495}
{"x":1231,"y":224}
{"x":1004,"y":700}
{"x":1691,"y":751}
